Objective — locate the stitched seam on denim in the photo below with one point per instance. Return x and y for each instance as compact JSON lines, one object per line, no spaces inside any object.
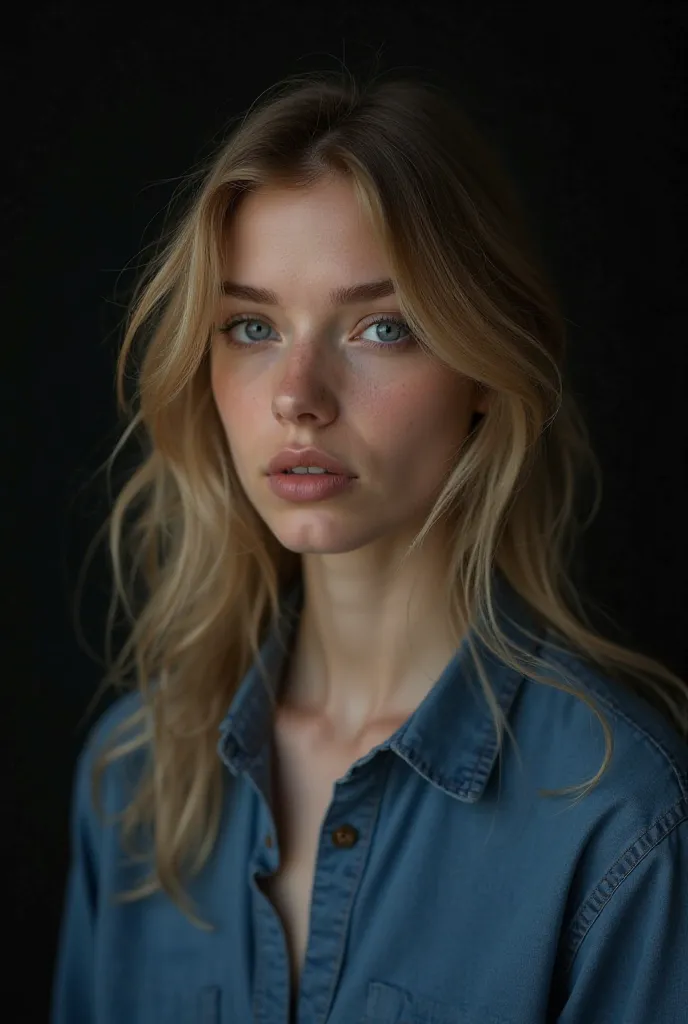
{"x":346,"y":915}
{"x":601,"y":895}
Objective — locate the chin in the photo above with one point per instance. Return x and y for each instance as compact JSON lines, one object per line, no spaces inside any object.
{"x":311,"y":534}
{"x":306,"y":544}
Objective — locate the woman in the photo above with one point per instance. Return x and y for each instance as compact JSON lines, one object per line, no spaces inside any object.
{"x":353,"y":523}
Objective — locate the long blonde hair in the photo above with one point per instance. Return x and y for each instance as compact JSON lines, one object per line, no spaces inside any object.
{"x":208,"y":571}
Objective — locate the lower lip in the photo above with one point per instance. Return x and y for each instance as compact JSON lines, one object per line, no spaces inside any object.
{"x":310,"y":487}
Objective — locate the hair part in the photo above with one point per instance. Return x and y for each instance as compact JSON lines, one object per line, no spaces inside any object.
{"x":209,"y":572}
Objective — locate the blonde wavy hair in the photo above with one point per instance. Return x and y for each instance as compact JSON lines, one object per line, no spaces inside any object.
{"x":196,"y":570}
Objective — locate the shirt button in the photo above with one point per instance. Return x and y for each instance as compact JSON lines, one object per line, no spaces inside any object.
{"x":345,"y":835}
{"x":268,"y":840}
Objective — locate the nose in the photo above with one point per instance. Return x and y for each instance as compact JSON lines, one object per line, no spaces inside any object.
{"x":304,"y":390}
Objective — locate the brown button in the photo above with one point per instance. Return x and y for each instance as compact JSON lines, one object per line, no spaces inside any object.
{"x":345,"y":835}
{"x":268,"y":840}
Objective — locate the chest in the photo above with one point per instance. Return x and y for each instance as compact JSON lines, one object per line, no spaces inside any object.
{"x":306,"y":764}
{"x":304,"y":772}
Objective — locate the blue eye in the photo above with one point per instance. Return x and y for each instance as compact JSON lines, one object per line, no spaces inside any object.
{"x":388,"y":321}
{"x":253,"y":341}
{"x":229,"y":327}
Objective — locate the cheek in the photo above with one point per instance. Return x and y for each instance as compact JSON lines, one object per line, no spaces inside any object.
{"x":421,"y":421}
{"x":233,"y":401}
{"x":235,"y":416}
{"x":218,"y":382}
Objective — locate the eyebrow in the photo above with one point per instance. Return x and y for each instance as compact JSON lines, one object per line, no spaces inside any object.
{"x":366,"y":292}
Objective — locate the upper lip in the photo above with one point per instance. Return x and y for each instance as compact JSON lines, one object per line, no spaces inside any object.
{"x":288,"y":458}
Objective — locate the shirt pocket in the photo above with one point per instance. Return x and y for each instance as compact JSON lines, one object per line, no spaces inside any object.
{"x":176,"y":1004}
{"x":391,"y":1004}
{"x":208,"y":1005}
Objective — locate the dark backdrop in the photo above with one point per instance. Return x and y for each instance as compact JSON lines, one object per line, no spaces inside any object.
{"x":113,"y":105}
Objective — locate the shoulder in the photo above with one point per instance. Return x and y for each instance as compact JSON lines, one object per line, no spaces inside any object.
{"x":628,"y":837}
{"x":122,"y":721}
{"x":107,"y":725}
{"x":639,"y":730}
{"x":632,"y":825}
{"x":562,"y":742}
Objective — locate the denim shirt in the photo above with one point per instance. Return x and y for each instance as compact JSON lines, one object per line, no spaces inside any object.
{"x":446,"y":890}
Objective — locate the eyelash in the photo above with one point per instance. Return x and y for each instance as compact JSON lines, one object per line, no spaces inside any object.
{"x":226,"y":328}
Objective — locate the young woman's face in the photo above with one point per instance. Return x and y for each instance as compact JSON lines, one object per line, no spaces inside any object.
{"x":306,"y":372}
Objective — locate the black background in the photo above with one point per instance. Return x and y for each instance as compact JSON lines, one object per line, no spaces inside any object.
{"x":108,"y":108}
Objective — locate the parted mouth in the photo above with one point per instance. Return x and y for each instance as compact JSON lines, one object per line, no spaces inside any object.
{"x":292,"y":458}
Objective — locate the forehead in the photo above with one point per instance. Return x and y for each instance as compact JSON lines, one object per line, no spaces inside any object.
{"x":275,"y":229}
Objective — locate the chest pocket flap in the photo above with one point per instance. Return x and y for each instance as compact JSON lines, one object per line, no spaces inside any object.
{"x":391,"y":1004}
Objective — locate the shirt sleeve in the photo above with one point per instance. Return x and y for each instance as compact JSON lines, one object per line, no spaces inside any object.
{"x":73,"y":981}
{"x":630,"y":964}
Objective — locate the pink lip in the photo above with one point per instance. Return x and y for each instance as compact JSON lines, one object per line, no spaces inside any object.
{"x":307,"y":487}
{"x":288,"y":458}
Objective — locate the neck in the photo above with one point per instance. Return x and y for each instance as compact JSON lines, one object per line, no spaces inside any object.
{"x":369,"y":644}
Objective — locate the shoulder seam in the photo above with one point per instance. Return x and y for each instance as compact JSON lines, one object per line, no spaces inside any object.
{"x":603,"y":892}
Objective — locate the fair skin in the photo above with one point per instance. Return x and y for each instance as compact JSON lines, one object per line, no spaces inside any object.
{"x":372,"y":639}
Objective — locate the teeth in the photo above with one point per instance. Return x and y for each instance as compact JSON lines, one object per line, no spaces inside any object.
{"x":307,"y":469}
